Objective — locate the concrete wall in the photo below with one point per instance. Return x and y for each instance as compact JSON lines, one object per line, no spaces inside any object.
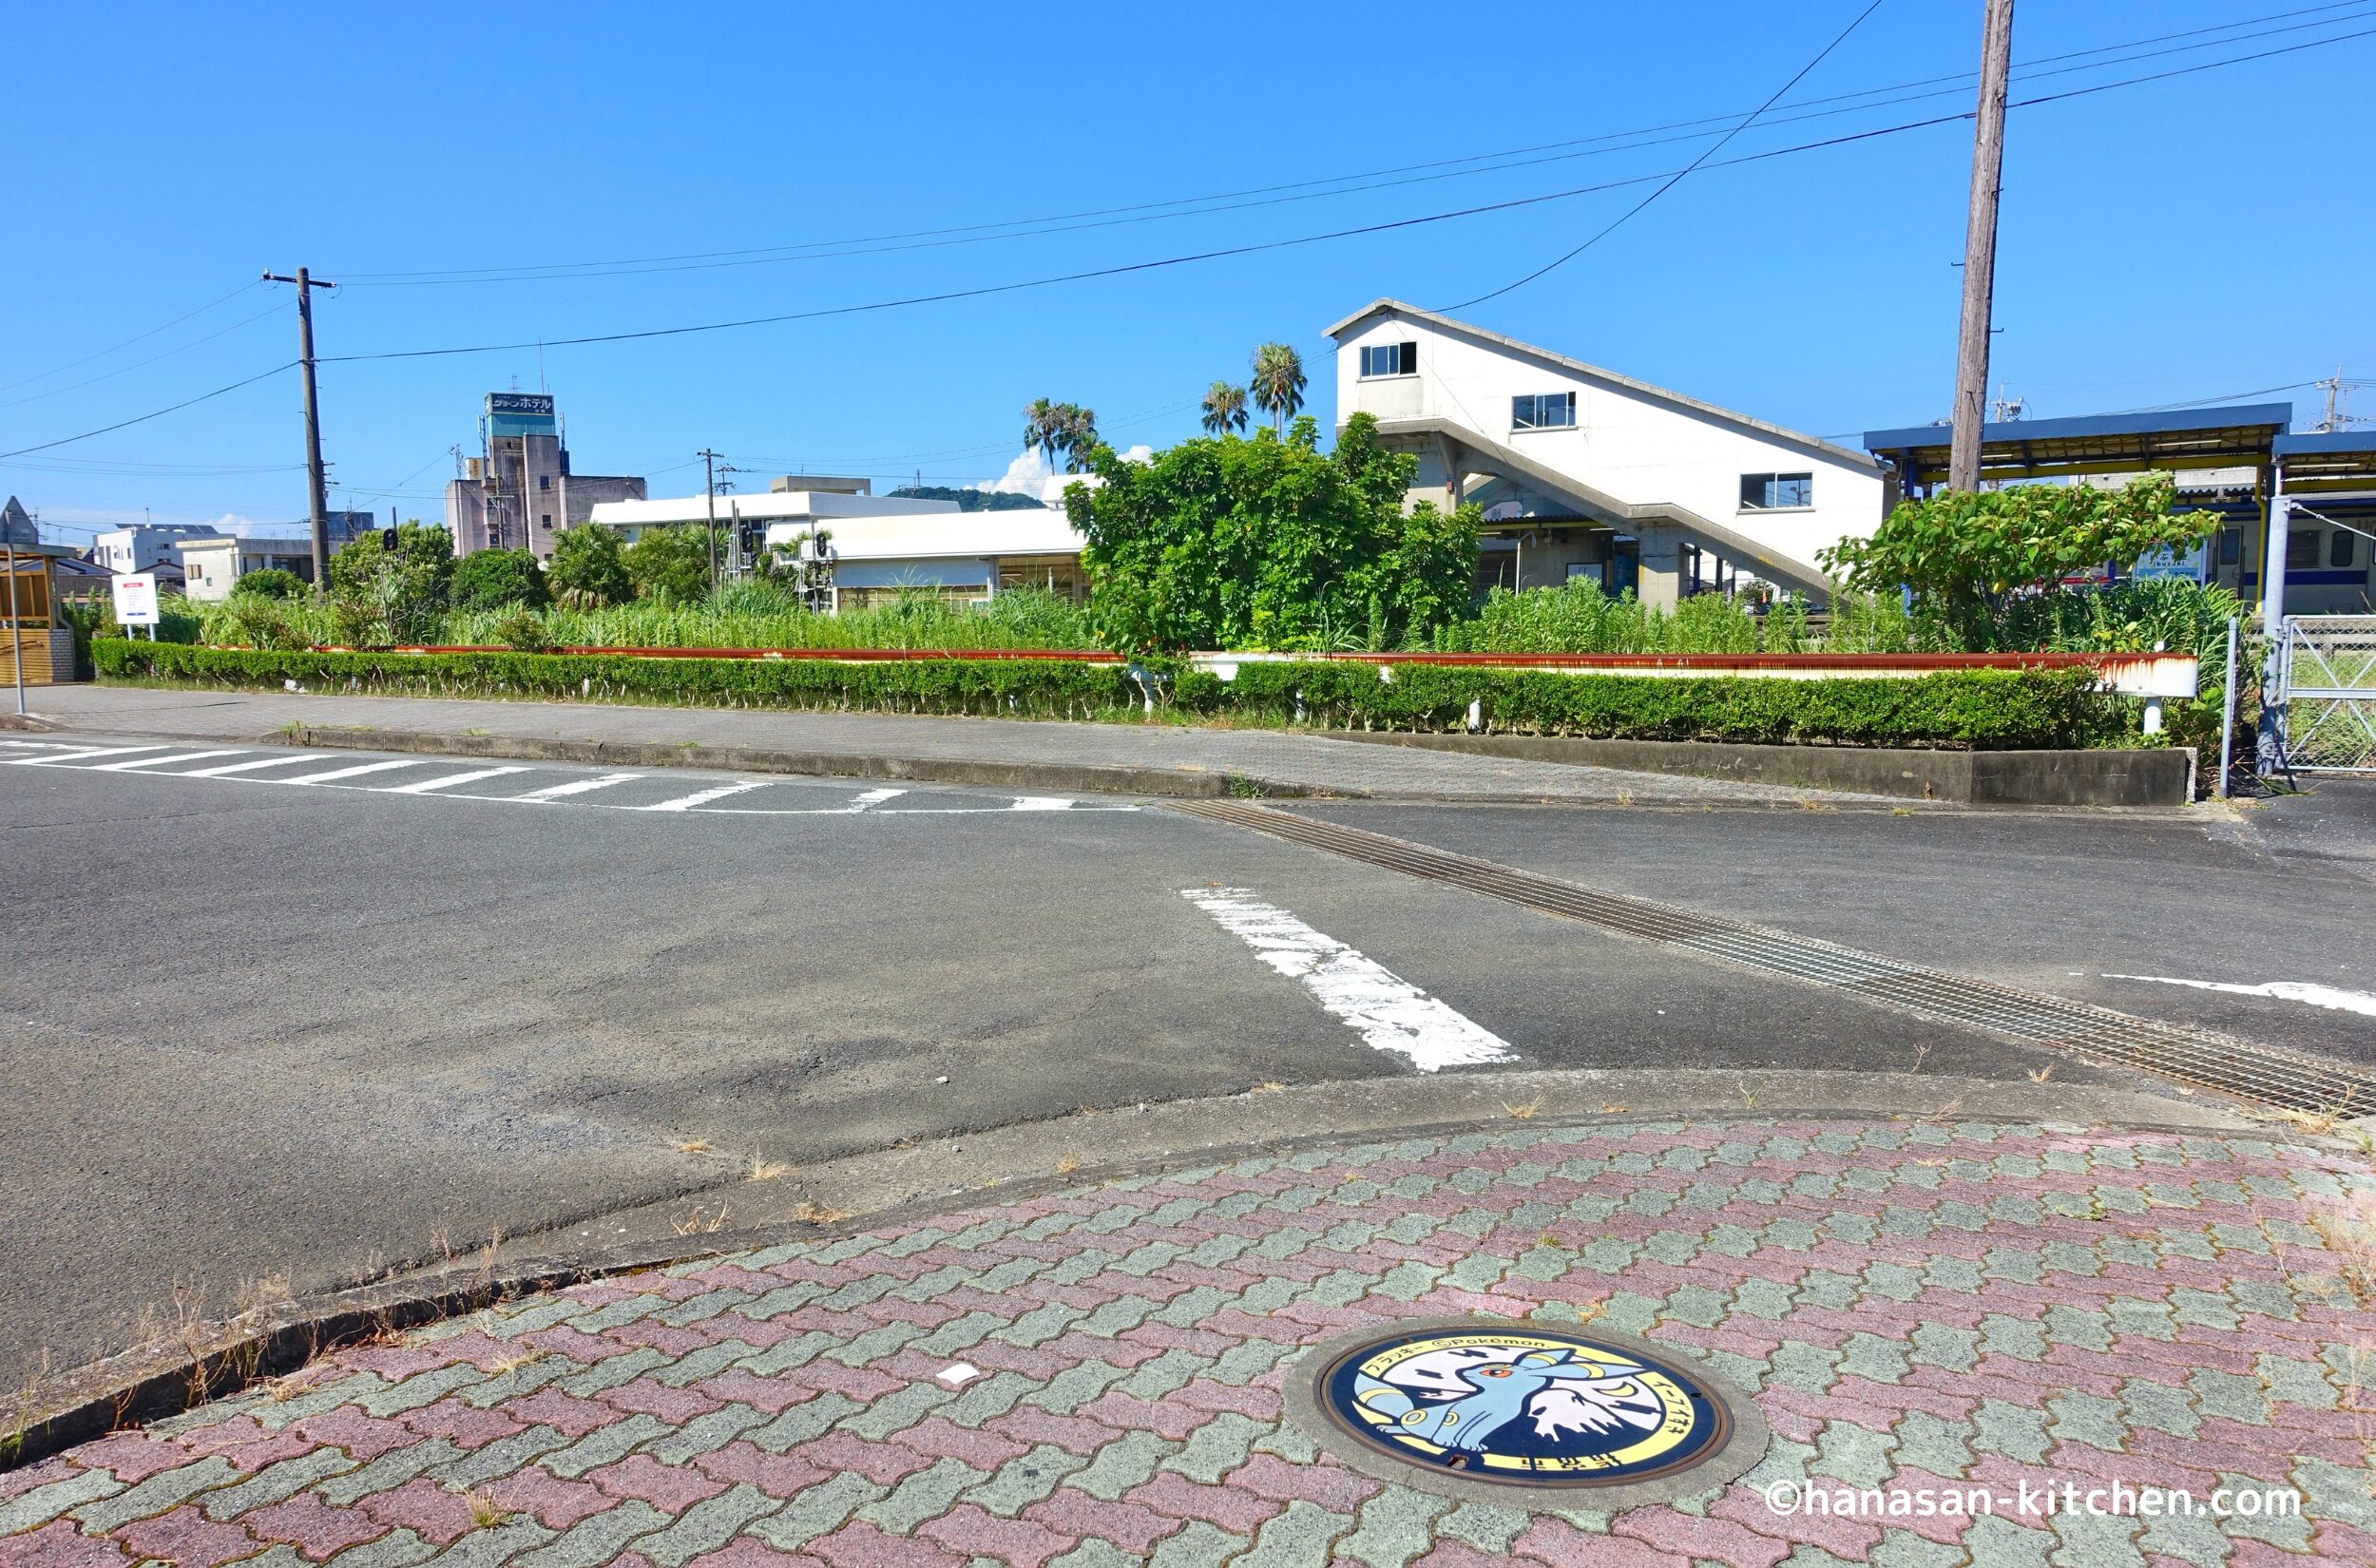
{"x":1633,"y":445}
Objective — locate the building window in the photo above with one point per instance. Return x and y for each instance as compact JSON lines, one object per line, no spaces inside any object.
{"x":544,"y":519}
{"x":2301,"y":549}
{"x":1389,"y":360}
{"x":2230,"y":546}
{"x":2339,"y":547}
{"x":1543,"y":412}
{"x":1763,"y":493}
{"x":543,"y":482}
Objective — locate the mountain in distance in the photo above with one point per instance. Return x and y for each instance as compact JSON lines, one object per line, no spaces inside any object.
{"x":972,"y":500}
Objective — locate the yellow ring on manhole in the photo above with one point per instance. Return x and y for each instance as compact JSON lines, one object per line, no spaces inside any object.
{"x":1473,"y":1406}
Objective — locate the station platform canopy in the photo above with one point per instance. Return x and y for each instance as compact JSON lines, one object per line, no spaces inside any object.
{"x":2327,"y":463}
{"x":2235,"y":435}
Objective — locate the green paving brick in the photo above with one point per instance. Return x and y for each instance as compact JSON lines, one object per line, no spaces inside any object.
{"x":924,"y":1496}
{"x":818,"y":1510}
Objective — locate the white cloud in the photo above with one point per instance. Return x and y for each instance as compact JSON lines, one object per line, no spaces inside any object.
{"x":1029,"y":474}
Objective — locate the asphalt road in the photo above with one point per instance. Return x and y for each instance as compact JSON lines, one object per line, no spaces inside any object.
{"x":266,"y":1034}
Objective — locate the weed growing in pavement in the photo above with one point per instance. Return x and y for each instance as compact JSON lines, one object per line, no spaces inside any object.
{"x":1068,"y":1163}
{"x":1526,"y":1111}
{"x":763,"y":1168}
{"x":1750,"y":1098}
{"x":1266,"y":1088}
{"x":1920,"y":1050}
{"x":486,"y":1513}
{"x":694,"y":1146}
{"x":1609,"y":1107}
{"x":809,"y":1212}
{"x":2349,"y":1230}
{"x":2040,"y":1075}
{"x":698,"y":1222}
{"x":2320,"y":1122}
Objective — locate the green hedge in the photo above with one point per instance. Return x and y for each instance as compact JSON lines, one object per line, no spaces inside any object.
{"x":1989,"y":710}
{"x":1026,"y":688}
{"x":1974,"y":709}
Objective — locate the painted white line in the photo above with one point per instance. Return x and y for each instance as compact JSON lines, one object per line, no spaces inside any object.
{"x":576,"y":786}
{"x":450,"y":781}
{"x":159,"y":761}
{"x":350,"y":772}
{"x":1041,"y":803}
{"x":686,"y":803}
{"x":247,"y":767}
{"x":2283,"y":991}
{"x":874,"y":798}
{"x":1388,"y":1011}
{"x":84,"y":755}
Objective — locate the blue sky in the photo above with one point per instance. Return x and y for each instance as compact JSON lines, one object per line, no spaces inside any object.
{"x":2184,"y":239}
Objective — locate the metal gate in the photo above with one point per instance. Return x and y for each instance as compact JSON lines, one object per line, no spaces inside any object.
{"x":2324,"y":698}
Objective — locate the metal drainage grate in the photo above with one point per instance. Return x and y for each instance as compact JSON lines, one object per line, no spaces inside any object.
{"x":2244,"y":1068}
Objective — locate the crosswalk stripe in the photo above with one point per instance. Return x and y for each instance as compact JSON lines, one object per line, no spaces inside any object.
{"x":261,"y":763}
{"x":578,"y":786}
{"x":78,"y":756}
{"x":448,"y":783}
{"x":353,"y":772}
{"x":159,"y":761}
{"x":687,"y":802}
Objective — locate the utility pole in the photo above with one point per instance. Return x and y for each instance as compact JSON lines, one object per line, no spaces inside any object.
{"x":1980,"y":249}
{"x":709,"y":483}
{"x":306,"y":285}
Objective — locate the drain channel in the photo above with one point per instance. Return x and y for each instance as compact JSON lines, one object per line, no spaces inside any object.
{"x":2244,"y":1068}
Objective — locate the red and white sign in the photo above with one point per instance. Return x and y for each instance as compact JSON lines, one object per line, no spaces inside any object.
{"x":136,"y":599}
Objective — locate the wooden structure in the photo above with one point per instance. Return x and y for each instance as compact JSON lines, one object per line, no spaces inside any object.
{"x":32,"y":633}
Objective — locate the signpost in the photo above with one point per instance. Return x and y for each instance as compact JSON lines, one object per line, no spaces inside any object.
{"x":135,"y":601}
{"x":2163,"y":564}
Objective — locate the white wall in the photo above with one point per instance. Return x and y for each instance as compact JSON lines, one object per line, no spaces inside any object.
{"x":1635,"y":447}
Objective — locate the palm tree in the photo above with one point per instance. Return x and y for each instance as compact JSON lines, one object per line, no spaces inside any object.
{"x":1279,"y":382}
{"x":1079,"y":435}
{"x":1224,"y":407}
{"x":1044,"y":428}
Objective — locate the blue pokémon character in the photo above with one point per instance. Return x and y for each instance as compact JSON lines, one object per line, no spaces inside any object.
{"x":1599,"y":1397}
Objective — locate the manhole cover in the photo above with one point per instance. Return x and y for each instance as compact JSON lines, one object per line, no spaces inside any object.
{"x":1493,"y":1408}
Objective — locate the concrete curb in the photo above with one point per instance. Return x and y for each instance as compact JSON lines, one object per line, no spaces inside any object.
{"x":864,"y":1191}
{"x":1063,"y":777}
{"x":2158,"y":778}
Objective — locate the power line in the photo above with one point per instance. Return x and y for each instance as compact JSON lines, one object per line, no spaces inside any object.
{"x":121,"y":370}
{"x":155,"y":413}
{"x":1621,"y":219}
{"x":1347,"y":184}
{"x":103,"y":354}
{"x":1221,"y":253}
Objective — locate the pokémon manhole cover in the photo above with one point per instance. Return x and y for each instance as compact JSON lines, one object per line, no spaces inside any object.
{"x":1484,"y":1407}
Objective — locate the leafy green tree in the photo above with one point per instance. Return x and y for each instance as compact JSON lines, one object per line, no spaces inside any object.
{"x":268,"y":583}
{"x":381,"y":596}
{"x":671,"y":564}
{"x":498,"y":580}
{"x":1226,"y":542}
{"x":590,"y":562}
{"x":1060,"y":429}
{"x":1969,"y":556}
{"x":1279,"y":382}
{"x":1224,"y":408}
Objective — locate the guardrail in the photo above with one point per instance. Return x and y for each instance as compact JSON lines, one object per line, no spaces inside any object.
{"x":2162,"y":675}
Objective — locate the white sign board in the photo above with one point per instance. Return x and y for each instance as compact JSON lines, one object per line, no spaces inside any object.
{"x":136,"y":599}
{"x":2164,"y":563}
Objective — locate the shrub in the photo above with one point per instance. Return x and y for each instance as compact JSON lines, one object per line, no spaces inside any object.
{"x":499,"y":580}
{"x":671,"y":564}
{"x":260,"y":623}
{"x":1972,"y":709}
{"x":588,"y":569}
{"x":268,"y":583}
{"x":521,"y":629}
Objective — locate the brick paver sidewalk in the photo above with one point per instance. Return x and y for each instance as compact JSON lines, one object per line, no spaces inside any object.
{"x":1309,"y":761}
{"x":1910,"y":1305}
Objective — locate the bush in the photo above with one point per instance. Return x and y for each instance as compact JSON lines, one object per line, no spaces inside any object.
{"x":499,"y":580}
{"x":268,"y":583}
{"x":260,"y":623}
{"x":1972,"y":709}
{"x":588,"y":569}
{"x":671,"y":564}
{"x":521,"y":629}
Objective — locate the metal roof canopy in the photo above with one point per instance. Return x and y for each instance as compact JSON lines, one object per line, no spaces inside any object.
{"x":2232,"y":436}
{"x":2328,"y":462}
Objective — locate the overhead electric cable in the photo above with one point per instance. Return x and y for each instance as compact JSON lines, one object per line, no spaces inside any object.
{"x":154,"y":413}
{"x":142,"y":338}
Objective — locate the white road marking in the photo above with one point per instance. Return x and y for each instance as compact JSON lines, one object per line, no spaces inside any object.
{"x":245,"y":767}
{"x":686,"y":803}
{"x":449,"y":782}
{"x":1041,"y":803}
{"x":2283,"y":991}
{"x":352,"y":773}
{"x":1389,"y":1011}
{"x":81,"y":755}
{"x":578,"y":786}
{"x":159,"y":761}
{"x":874,"y":798}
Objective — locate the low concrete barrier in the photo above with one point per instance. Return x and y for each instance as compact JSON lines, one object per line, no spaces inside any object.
{"x":2158,"y":777}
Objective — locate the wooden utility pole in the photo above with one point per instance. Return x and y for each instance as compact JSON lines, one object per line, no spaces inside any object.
{"x":318,"y":500}
{"x":1980,"y":249}
{"x":709,"y":483}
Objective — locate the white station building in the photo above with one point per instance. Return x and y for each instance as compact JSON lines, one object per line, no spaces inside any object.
{"x":1583,"y":472}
